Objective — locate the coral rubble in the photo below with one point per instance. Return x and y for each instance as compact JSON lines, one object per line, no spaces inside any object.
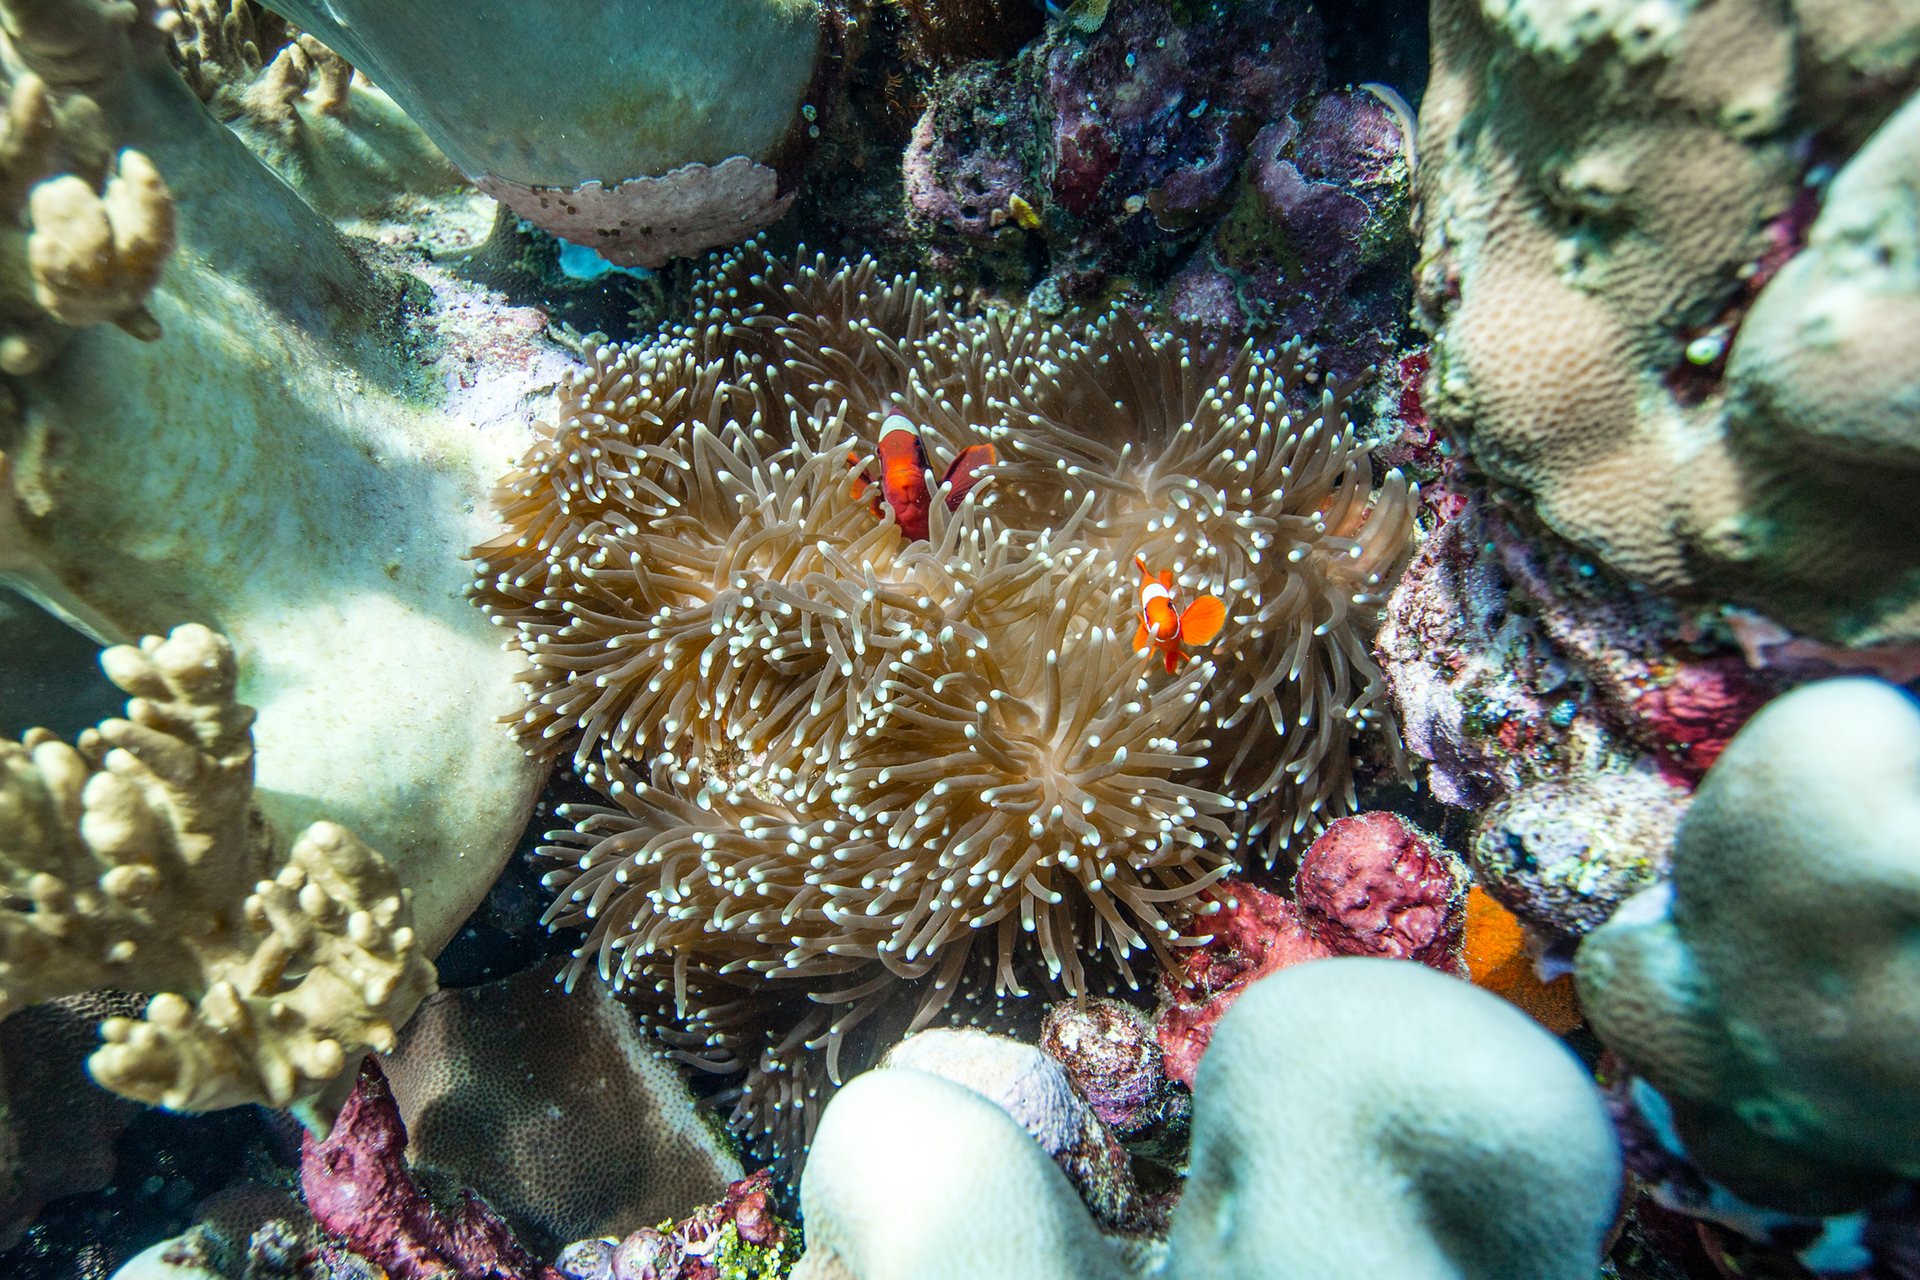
{"x":842,"y":757}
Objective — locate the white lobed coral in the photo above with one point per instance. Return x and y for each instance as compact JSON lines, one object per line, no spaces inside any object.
{"x":1353,"y":1117}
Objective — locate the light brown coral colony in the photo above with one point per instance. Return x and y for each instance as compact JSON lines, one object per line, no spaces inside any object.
{"x":842,"y":759}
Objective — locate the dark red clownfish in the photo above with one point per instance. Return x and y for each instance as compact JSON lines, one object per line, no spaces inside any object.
{"x":903,"y":476}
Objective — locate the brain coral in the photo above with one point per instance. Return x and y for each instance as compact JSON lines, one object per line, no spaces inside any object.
{"x":840,"y":757}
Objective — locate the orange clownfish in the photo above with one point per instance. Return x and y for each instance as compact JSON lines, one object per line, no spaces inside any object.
{"x":1163,"y":627}
{"x":903,"y":476}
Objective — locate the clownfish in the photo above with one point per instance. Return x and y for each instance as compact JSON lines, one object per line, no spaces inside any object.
{"x":1163,"y":627}
{"x":903,"y":476}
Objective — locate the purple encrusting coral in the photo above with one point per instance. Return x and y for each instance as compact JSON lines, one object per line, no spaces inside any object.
{"x":1316,"y":243}
{"x":359,"y":1188}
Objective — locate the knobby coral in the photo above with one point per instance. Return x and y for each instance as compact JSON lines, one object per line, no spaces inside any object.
{"x":839,"y":757}
{"x":1355,"y":1117}
{"x":137,"y":860}
{"x":88,"y":227}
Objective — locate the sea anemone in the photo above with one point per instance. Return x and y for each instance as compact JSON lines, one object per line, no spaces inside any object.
{"x":841,"y":759}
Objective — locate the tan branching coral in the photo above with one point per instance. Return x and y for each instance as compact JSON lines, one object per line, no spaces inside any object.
{"x":136,"y":860}
{"x":243,"y":61}
{"x":842,"y":759}
{"x":84,"y":234}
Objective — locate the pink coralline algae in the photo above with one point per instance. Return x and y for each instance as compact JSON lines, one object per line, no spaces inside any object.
{"x":1371,"y":885}
{"x":359,"y":1189}
{"x":1376,"y":885}
{"x":1412,"y":442}
{"x":1696,"y":712}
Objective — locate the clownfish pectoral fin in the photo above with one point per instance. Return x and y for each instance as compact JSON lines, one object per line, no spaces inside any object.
{"x":1142,"y":639}
{"x":964,"y":472}
{"x":1202,"y":620}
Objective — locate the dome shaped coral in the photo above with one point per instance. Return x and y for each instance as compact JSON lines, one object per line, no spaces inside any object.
{"x":841,"y":758}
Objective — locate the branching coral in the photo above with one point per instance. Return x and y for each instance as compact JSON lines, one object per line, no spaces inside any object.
{"x":138,"y":861}
{"x":85,"y":232}
{"x":842,"y":758}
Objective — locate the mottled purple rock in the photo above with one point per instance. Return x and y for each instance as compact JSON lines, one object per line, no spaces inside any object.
{"x":1109,"y":1051}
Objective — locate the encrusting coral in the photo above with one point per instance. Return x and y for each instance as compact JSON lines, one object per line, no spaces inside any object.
{"x":138,"y":861}
{"x":553,"y":1106}
{"x":684,"y":131}
{"x":842,"y":757}
{"x":1353,"y":1117}
{"x":1770,"y":990}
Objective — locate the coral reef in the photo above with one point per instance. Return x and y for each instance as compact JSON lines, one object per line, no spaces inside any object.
{"x":1370,"y":885}
{"x":359,"y":1188}
{"x":685,"y":132}
{"x":553,"y":1108}
{"x":1513,"y":662}
{"x":1449,"y":1137}
{"x":298,"y":106}
{"x":1186,"y":153}
{"x":90,"y":226}
{"x":739,"y":1237}
{"x":836,"y":761}
{"x":1767,"y":991}
{"x":138,"y":861}
{"x":294,"y":464}
{"x":1654,"y":318}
